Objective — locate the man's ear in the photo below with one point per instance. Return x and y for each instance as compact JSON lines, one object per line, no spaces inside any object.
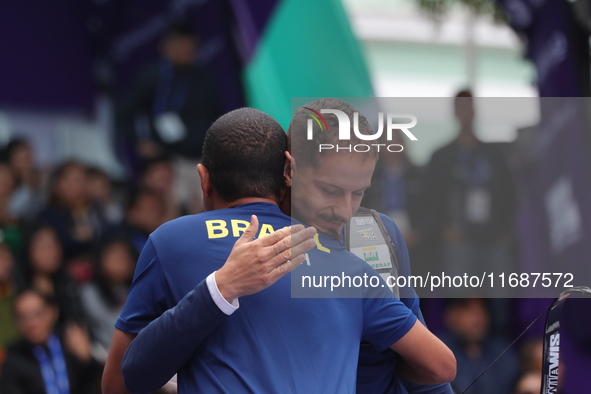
{"x":206,"y":185}
{"x":288,"y":169}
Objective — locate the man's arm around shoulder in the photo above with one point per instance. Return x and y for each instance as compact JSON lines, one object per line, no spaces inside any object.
{"x":427,"y":360}
{"x":163,"y":346}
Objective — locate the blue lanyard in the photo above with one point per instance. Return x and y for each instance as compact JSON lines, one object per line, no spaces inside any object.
{"x":55,"y":375}
{"x":168,"y":98}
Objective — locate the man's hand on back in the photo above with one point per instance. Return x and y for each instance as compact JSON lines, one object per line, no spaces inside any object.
{"x":254,"y":265}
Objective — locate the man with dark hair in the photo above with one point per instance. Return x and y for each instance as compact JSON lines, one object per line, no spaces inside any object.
{"x":276,"y":343}
{"x":246,"y":171}
{"x":181,"y":256}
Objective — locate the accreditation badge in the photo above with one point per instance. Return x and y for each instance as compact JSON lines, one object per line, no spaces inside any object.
{"x":170,"y":127}
{"x":477,"y":205}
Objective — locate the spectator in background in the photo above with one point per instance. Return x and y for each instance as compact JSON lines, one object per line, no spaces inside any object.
{"x":468,"y":321}
{"x":8,"y":289}
{"x":42,"y":362}
{"x":158,"y":176}
{"x":145,"y":213}
{"x":104,"y":296}
{"x":472,"y":199}
{"x":101,"y":192}
{"x":472,"y":202}
{"x":27,"y":199}
{"x":179,"y":99}
{"x":78,"y":221}
{"x":44,"y":271}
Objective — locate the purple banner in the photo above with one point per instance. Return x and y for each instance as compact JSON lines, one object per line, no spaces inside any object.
{"x":46,"y":59}
{"x":54,"y":52}
{"x":551,"y":46}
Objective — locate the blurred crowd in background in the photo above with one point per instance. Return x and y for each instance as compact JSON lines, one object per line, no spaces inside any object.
{"x":69,"y":240}
{"x":70,"y":235}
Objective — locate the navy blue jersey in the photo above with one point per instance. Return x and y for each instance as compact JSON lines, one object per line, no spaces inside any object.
{"x":272,"y":343}
{"x":376,"y":369}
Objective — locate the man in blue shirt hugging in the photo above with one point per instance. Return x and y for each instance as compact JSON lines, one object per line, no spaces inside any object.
{"x":329,"y":180}
{"x":273,"y":342}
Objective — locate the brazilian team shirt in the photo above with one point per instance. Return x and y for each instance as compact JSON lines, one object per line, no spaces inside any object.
{"x":375,"y":371}
{"x":272,"y":343}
